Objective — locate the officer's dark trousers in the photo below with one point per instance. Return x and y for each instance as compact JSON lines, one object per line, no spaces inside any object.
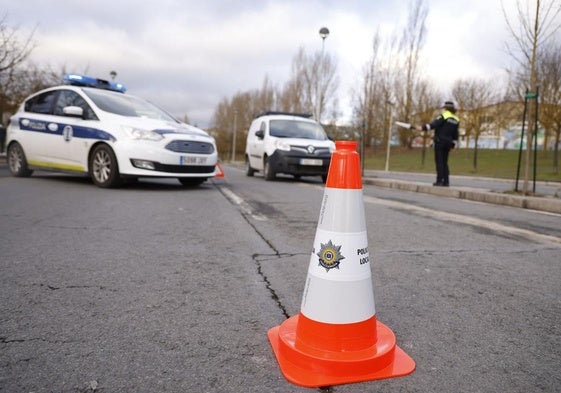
{"x":441,"y":151}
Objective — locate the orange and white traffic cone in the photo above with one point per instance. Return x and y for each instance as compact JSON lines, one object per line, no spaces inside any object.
{"x":219,"y":171}
{"x":336,"y":339}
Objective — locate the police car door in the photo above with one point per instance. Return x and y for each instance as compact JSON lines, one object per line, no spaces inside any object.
{"x":37,"y":131}
{"x":73,"y":117}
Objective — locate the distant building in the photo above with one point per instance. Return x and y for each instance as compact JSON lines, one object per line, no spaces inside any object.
{"x":500,"y":127}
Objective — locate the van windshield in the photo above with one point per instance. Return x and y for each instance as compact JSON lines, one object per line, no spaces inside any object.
{"x":296,"y":129}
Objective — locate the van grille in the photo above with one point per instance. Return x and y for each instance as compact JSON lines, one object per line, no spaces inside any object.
{"x":317,"y":151}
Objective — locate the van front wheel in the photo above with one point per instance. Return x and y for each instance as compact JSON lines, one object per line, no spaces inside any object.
{"x":268,"y":172}
{"x":249,"y":171}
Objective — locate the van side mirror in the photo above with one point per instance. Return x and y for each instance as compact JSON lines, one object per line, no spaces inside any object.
{"x":260,"y":134}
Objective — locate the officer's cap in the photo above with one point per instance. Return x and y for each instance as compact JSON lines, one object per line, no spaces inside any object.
{"x":449,"y":105}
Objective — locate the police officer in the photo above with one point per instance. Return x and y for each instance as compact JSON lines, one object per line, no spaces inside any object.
{"x":445,"y":129}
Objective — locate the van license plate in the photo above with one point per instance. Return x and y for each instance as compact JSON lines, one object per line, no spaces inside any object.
{"x":311,"y":162}
{"x":189,"y":160}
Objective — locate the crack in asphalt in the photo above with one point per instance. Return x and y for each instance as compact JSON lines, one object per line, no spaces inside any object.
{"x":268,"y":284}
{"x":6,"y":340}
{"x":56,"y":288}
{"x":257,"y":258}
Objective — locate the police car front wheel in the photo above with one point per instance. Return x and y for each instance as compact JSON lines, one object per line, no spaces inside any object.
{"x":17,"y":161}
{"x":104,"y":169}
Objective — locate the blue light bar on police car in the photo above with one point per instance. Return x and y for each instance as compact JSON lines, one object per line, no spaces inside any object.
{"x":88,"y":81}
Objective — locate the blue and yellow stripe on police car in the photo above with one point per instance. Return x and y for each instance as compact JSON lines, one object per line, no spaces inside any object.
{"x":53,"y":128}
{"x":50,"y":165}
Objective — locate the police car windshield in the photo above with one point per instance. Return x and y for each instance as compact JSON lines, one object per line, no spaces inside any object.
{"x":126,"y":105}
{"x":296,"y":129}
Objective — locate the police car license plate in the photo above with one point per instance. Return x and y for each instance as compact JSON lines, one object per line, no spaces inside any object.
{"x":190,"y":160}
{"x":311,"y":162}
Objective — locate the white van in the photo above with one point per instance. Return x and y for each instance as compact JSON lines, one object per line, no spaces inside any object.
{"x":291,"y":143}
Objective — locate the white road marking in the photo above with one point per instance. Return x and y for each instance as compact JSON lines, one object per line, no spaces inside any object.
{"x":462,"y":219}
{"x":243,"y":205}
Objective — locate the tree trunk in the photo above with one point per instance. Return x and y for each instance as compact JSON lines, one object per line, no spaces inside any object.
{"x":556,"y":152}
{"x":475,"y":155}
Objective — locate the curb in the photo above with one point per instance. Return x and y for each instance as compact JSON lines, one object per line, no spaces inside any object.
{"x":526,"y":202}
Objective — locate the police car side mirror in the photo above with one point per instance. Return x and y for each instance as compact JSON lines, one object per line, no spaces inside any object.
{"x":260,"y":134}
{"x":73,"y":111}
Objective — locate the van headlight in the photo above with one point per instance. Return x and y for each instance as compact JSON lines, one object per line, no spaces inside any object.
{"x":282,"y":145}
{"x":139,"y":134}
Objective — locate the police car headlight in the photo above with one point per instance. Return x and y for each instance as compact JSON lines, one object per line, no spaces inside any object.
{"x":147,"y":135}
{"x":281,"y":145}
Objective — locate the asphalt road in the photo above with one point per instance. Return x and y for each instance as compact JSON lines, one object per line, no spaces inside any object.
{"x":154,"y":287}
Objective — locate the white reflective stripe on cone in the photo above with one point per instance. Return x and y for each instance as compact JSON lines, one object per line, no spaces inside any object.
{"x":342,"y":279}
{"x":342,"y":210}
{"x":338,"y":302}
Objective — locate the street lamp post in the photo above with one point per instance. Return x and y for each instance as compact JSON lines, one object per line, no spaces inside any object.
{"x":362,"y":146}
{"x":323,"y":33}
{"x":234,"y":135}
{"x":389,"y":136}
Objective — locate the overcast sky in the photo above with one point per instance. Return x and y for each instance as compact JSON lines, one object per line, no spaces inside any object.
{"x":186,"y":55}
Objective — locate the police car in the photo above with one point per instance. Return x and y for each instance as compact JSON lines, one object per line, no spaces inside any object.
{"x":90,"y":126}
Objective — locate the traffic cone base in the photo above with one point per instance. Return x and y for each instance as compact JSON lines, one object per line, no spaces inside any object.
{"x":312,"y":366}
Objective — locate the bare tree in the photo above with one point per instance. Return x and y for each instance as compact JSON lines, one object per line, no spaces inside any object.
{"x":13,"y":53}
{"x":328,"y":82}
{"x":27,"y":79}
{"x":373,"y":100}
{"x":222,"y":126}
{"x":428,"y":100}
{"x":391,"y":81}
{"x":266,"y":98}
{"x":407,"y":83}
{"x":294,"y":97}
{"x":233,"y":116}
{"x":473,"y":96}
{"x":310,"y":89}
{"x":530,"y":30}
{"x":550,"y":95}
{"x":312,"y":85}
{"x":232,"y":119}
